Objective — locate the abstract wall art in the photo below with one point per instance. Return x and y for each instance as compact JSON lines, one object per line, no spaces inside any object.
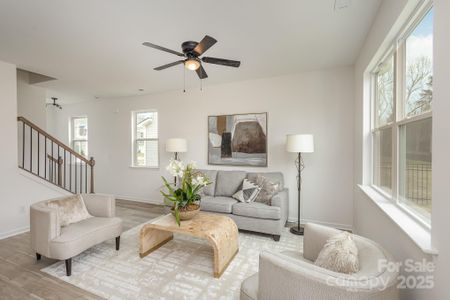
{"x":238,"y":140}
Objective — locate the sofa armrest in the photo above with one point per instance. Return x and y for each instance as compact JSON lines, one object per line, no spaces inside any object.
{"x":44,"y":227}
{"x":284,"y":277}
{"x":100,"y":205}
{"x":281,"y":200}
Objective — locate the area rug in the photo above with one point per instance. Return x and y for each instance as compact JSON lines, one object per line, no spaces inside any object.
{"x":181,"y":269}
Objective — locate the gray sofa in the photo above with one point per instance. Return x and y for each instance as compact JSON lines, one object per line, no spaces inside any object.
{"x":257,"y":217}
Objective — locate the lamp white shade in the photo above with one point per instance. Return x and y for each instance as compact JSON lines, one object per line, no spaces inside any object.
{"x":176,"y":145}
{"x":297,"y":143}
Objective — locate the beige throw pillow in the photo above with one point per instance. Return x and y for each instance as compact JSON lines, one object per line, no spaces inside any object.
{"x":268,"y":189}
{"x":339,"y":254}
{"x":70,"y":209}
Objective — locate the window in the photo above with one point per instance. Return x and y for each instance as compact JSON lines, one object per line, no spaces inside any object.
{"x":145,"y":139}
{"x":79,"y":135}
{"x":401,"y":124}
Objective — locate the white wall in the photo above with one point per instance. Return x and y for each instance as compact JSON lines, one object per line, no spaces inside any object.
{"x":317,"y":102}
{"x":18,"y":190}
{"x":441,"y":147}
{"x":369,"y":220}
{"x":31,"y":100}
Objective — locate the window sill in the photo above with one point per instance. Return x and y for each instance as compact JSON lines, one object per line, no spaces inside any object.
{"x":139,"y":167}
{"x":420,"y":235}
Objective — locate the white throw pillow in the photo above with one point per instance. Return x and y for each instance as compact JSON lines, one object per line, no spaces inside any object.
{"x":339,"y":254}
{"x":70,"y":209}
{"x":248,"y":193}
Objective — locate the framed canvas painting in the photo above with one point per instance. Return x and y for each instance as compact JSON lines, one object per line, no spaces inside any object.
{"x":238,"y":140}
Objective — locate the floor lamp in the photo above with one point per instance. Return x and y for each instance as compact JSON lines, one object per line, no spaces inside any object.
{"x":176,"y":145}
{"x":299,"y":143}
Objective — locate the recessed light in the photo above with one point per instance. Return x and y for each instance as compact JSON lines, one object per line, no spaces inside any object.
{"x":141,"y":90}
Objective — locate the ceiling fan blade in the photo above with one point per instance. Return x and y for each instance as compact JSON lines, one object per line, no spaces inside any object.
{"x":206,"y":43}
{"x":201,"y":73}
{"x":222,"y":62}
{"x":162,"y":48}
{"x":168,"y":65}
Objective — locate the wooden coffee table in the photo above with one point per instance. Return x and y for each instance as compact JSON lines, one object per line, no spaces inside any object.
{"x":220,"y":231}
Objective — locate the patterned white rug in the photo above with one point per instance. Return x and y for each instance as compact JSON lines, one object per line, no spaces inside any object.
{"x":181,"y":269}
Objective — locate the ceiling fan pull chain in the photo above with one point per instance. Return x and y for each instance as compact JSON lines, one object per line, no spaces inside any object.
{"x":201,"y":85}
{"x":184,"y":80}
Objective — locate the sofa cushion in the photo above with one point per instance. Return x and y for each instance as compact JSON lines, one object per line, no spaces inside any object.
{"x":228,"y":182}
{"x":82,"y":235}
{"x":217,"y":204}
{"x":210,"y":189}
{"x":257,"y":210}
{"x":248,"y":192}
{"x":272,"y":176}
{"x":269,"y":189}
{"x":71,"y":209}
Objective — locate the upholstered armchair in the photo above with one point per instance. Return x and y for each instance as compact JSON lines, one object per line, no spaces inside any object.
{"x":293,"y":275}
{"x":54,"y":241}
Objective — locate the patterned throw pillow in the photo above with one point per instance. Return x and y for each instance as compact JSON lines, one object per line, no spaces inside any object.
{"x":339,"y":254}
{"x":70,"y":209}
{"x":268,"y":189}
{"x":248,"y":193}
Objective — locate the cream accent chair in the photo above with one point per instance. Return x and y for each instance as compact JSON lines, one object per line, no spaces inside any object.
{"x":293,"y":275}
{"x":48,"y":238}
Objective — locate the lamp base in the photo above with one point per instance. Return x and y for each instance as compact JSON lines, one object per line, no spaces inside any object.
{"x":296,"y":230}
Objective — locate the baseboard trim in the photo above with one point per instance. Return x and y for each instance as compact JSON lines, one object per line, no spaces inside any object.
{"x":17,"y":231}
{"x":142,"y":200}
{"x":329,"y":224}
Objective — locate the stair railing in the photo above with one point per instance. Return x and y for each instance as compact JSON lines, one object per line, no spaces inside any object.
{"x":50,"y":159}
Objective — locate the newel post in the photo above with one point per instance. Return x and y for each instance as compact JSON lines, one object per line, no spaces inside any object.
{"x":92,"y":164}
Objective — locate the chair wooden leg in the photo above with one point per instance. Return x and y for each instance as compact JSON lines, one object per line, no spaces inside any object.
{"x":69,"y":266}
{"x":276,"y":237}
{"x":38,"y":256}
{"x":118,"y":243}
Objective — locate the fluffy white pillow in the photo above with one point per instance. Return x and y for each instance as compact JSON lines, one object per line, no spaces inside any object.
{"x":339,"y":254}
{"x":248,"y":193}
{"x":70,"y":209}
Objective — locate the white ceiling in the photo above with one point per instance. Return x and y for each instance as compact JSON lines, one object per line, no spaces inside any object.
{"x":94,"y":47}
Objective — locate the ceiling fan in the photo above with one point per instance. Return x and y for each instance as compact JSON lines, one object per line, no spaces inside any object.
{"x":54,"y":103}
{"x":191,"y":56}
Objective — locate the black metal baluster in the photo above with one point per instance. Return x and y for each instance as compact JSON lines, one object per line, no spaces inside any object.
{"x":75,"y":177}
{"x":38,"y":158}
{"x":51,"y":163}
{"x":85,"y":178}
{"x":81,"y":176}
{"x":64,"y":167}
{"x":45,"y":158}
{"x":31,"y":149}
{"x":23,"y":145}
{"x":70,"y":171}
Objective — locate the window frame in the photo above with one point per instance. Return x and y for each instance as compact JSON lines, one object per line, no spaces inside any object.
{"x":135,"y":139}
{"x":398,"y":51}
{"x":72,"y":134}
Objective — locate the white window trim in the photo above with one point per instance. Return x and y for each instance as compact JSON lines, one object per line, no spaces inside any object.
{"x":71,"y":134}
{"x":134,"y":140}
{"x":409,"y":221}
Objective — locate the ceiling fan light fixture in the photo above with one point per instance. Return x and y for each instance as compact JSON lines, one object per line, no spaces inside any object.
{"x":192,"y":64}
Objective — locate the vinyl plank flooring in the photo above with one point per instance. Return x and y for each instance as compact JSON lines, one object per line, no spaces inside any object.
{"x":20,"y":275}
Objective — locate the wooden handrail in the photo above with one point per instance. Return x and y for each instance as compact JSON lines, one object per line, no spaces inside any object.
{"x":55,"y":140}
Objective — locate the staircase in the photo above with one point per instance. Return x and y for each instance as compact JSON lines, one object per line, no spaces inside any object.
{"x":51,"y":160}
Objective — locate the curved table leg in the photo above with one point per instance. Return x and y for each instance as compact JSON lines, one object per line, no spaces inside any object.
{"x":151,"y":239}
